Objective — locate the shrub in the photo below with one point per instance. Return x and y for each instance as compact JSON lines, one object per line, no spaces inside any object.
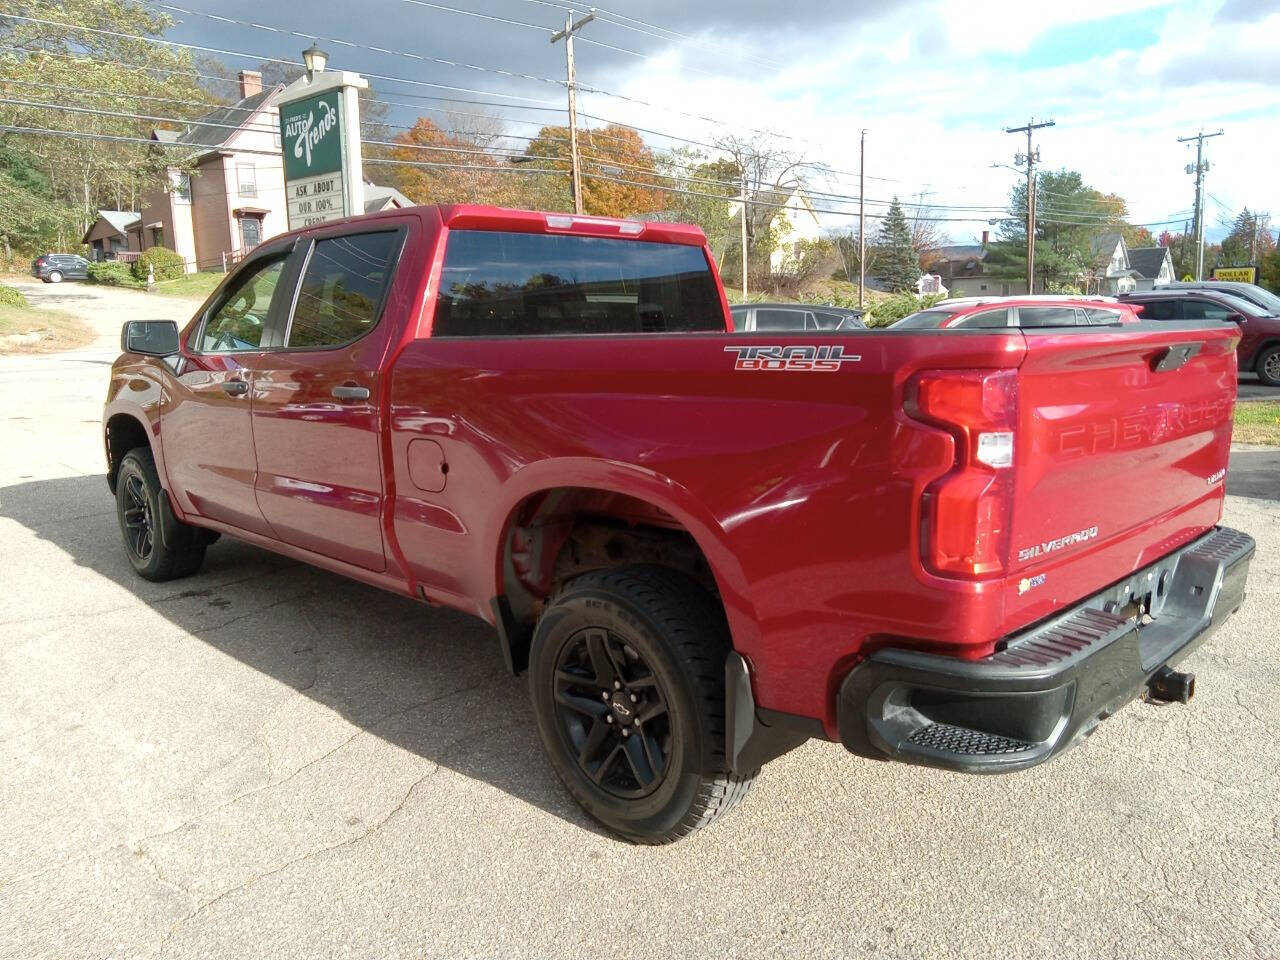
{"x":898,"y":306}
{"x":166,"y":264}
{"x":114,"y":273}
{"x":10,"y":297}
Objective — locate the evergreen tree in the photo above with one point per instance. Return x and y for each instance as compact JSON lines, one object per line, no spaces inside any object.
{"x":897,"y":261}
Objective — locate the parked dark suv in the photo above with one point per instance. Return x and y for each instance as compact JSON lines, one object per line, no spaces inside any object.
{"x":56,"y":267}
{"x":1259,"y":348}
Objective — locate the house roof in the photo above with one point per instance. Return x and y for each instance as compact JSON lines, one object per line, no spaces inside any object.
{"x":120,"y":219}
{"x":961,"y":251}
{"x":1104,"y":245}
{"x":1146,"y":261}
{"x":375,"y":197}
{"x":214,"y":129}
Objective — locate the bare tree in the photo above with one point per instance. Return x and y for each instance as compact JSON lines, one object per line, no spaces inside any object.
{"x":927,"y":236}
{"x":481,"y":128}
{"x":771,"y":174}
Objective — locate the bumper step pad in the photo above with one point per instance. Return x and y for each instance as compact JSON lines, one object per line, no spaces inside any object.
{"x":1049,"y":686}
{"x":965,"y":742}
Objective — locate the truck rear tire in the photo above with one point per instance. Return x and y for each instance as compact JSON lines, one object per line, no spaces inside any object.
{"x":159,"y":545}
{"x":1268,"y":367}
{"x":626,"y":673}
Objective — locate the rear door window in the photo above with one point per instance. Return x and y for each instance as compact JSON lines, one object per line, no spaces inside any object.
{"x":985,"y":319}
{"x":1048,"y":317}
{"x":1102,"y":317}
{"x":497,"y":284}
{"x":767,"y":319}
{"x":342,"y":288}
{"x":1204,"y":310}
{"x":1159,"y":309}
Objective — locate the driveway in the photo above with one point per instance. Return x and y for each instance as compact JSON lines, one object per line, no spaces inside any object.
{"x":105,"y":309}
{"x":266,"y":760}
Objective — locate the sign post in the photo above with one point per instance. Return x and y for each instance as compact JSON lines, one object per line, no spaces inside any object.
{"x":320,"y":139}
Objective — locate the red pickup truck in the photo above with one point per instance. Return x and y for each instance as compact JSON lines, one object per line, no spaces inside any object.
{"x":959,"y":548}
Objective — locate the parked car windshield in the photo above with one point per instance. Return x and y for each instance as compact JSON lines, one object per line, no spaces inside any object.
{"x":925,"y":319}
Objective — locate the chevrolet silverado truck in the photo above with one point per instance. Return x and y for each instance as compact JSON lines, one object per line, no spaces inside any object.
{"x":959,"y":548}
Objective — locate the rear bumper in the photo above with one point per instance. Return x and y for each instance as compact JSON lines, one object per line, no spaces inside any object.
{"x":1047,"y":687}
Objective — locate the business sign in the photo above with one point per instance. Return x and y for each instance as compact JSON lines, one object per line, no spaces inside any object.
{"x":1236,"y":274}
{"x":311,"y":136}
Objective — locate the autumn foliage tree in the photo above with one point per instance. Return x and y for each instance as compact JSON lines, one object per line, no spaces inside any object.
{"x":466,"y":173}
{"x":609,"y":155}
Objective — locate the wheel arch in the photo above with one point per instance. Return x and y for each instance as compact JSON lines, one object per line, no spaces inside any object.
{"x":123,"y":432}
{"x":562,"y":518}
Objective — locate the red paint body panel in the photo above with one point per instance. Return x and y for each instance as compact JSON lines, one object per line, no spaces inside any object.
{"x":803,"y":489}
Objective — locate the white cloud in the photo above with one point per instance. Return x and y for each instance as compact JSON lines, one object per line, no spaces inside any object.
{"x":936,"y":118}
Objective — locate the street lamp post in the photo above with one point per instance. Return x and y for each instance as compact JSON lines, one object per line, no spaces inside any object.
{"x":315,"y":60}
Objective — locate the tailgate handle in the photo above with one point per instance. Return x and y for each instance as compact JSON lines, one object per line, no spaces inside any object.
{"x":1175,"y":356}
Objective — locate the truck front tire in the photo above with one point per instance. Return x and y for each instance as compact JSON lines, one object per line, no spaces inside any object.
{"x":626,"y":673}
{"x":159,"y":546}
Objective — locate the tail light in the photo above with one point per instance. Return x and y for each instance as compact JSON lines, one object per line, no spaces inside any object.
{"x":965,"y":512}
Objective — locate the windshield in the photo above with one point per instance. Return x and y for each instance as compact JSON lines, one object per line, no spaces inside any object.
{"x":925,"y":319}
{"x":1247,"y":307}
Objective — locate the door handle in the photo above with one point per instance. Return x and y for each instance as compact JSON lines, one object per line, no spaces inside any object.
{"x":234,"y":388}
{"x":349,"y":391}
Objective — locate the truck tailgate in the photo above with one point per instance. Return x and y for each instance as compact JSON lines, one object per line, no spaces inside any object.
{"x":1121,"y":452}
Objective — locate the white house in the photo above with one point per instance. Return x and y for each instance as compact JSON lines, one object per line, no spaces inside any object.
{"x":797,"y":222}
{"x":1112,"y":272}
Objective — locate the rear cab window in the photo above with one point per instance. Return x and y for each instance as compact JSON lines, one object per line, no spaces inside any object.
{"x":500,"y":284}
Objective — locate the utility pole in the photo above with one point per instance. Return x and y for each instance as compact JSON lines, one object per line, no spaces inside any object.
{"x":570,"y":28}
{"x":1199,"y":169}
{"x":1031,"y":158}
{"x":862,"y":220}
{"x":744,"y":234}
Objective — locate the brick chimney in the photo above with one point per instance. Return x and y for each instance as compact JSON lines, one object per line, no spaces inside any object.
{"x":250,"y":83}
{"x":986,"y":235}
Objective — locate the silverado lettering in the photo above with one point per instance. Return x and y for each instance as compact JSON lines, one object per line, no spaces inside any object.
{"x":529,"y":418}
{"x":1048,"y":546}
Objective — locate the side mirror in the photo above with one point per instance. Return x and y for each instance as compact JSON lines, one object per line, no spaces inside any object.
{"x":151,"y":338}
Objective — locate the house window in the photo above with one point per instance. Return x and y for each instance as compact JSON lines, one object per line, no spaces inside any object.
{"x":247,"y":179}
{"x":182,"y":187}
{"x":250,"y":232}
{"x":157,"y":236}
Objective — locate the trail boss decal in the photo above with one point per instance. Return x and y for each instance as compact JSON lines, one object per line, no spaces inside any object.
{"x":824,"y":359}
{"x":1050,"y":546}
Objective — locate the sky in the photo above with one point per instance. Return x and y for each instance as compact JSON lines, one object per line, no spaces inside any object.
{"x":934,"y":84}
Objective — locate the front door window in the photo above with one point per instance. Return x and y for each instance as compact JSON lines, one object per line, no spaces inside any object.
{"x":250,"y":232}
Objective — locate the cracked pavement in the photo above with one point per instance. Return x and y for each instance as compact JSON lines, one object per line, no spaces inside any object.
{"x":266,"y":760}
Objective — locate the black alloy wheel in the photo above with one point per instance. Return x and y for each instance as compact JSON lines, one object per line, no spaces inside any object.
{"x":627,"y":678}
{"x":159,"y":546}
{"x":139,"y":524}
{"x":612,"y":712}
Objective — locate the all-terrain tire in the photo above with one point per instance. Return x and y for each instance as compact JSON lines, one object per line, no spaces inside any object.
{"x":159,"y":546}
{"x":679,"y":638}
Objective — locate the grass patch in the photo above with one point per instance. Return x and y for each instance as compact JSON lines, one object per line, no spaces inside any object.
{"x":193,"y":285}
{"x":1257,"y":422}
{"x":58,"y":330}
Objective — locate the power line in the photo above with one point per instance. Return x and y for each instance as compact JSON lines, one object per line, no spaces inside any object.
{"x":257,"y":57}
{"x":358,"y":46}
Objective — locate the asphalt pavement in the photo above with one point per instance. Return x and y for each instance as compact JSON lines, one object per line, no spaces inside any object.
{"x":266,"y":760}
